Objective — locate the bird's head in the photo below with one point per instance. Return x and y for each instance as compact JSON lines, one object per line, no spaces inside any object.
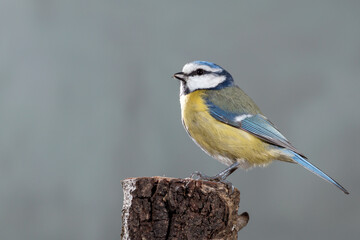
{"x":203,"y":75}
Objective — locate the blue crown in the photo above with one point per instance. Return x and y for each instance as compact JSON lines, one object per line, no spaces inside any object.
{"x":212,"y":65}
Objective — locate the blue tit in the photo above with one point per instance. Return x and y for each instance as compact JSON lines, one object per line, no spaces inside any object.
{"x":226,"y":123}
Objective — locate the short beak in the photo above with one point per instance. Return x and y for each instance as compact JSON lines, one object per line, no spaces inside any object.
{"x":180,"y":76}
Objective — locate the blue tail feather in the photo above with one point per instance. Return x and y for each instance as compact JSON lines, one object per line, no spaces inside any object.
{"x":300,"y":160}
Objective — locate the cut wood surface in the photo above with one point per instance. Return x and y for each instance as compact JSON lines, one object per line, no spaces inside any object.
{"x":172,"y":208}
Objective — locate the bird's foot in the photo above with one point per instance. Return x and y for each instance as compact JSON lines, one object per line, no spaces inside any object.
{"x":200,"y":176}
{"x":217,"y":178}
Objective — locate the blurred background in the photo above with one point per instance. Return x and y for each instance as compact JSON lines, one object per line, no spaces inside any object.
{"x":87,"y":99}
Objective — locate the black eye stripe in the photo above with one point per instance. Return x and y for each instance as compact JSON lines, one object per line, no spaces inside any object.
{"x":195,"y":72}
{"x":199,"y":72}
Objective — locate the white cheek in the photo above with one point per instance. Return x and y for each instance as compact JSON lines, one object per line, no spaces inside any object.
{"x":204,"y":82}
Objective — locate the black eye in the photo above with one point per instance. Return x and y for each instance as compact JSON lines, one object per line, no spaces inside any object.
{"x":200,"y":72}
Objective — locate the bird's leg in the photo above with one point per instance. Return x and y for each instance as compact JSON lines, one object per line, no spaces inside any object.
{"x":226,"y":172}
{"x":220,"y":177}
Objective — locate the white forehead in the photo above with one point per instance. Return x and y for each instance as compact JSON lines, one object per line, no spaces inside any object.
{"x":190,"y":67}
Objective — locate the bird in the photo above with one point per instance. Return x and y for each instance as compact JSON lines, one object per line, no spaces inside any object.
{"x":227,"y":124}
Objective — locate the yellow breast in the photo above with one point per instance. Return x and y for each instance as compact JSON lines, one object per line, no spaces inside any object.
{"x":224,"y":142}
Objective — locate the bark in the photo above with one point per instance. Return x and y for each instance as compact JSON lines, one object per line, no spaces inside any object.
{"x":172,"y":208}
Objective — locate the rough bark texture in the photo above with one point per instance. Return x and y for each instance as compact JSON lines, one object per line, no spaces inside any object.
{"x":170,"y":208}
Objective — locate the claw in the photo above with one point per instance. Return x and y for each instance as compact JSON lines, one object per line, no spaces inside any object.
{"x":200,"y":176}
{"x":217,"y":178}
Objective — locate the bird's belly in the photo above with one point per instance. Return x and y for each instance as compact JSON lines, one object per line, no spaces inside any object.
{"x":224,"y":142}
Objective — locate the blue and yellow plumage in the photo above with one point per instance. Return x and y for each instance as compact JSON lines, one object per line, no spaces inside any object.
{"x":228,"y":125}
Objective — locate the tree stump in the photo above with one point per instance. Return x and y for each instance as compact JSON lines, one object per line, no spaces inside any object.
{"x":172,"y":208}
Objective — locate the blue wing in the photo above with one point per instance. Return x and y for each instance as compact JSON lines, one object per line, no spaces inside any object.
{"x":256,"y":124}
{"x":261,"y":127}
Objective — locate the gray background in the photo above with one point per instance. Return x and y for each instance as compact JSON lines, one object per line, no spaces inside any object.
{"x":87,"y":99}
